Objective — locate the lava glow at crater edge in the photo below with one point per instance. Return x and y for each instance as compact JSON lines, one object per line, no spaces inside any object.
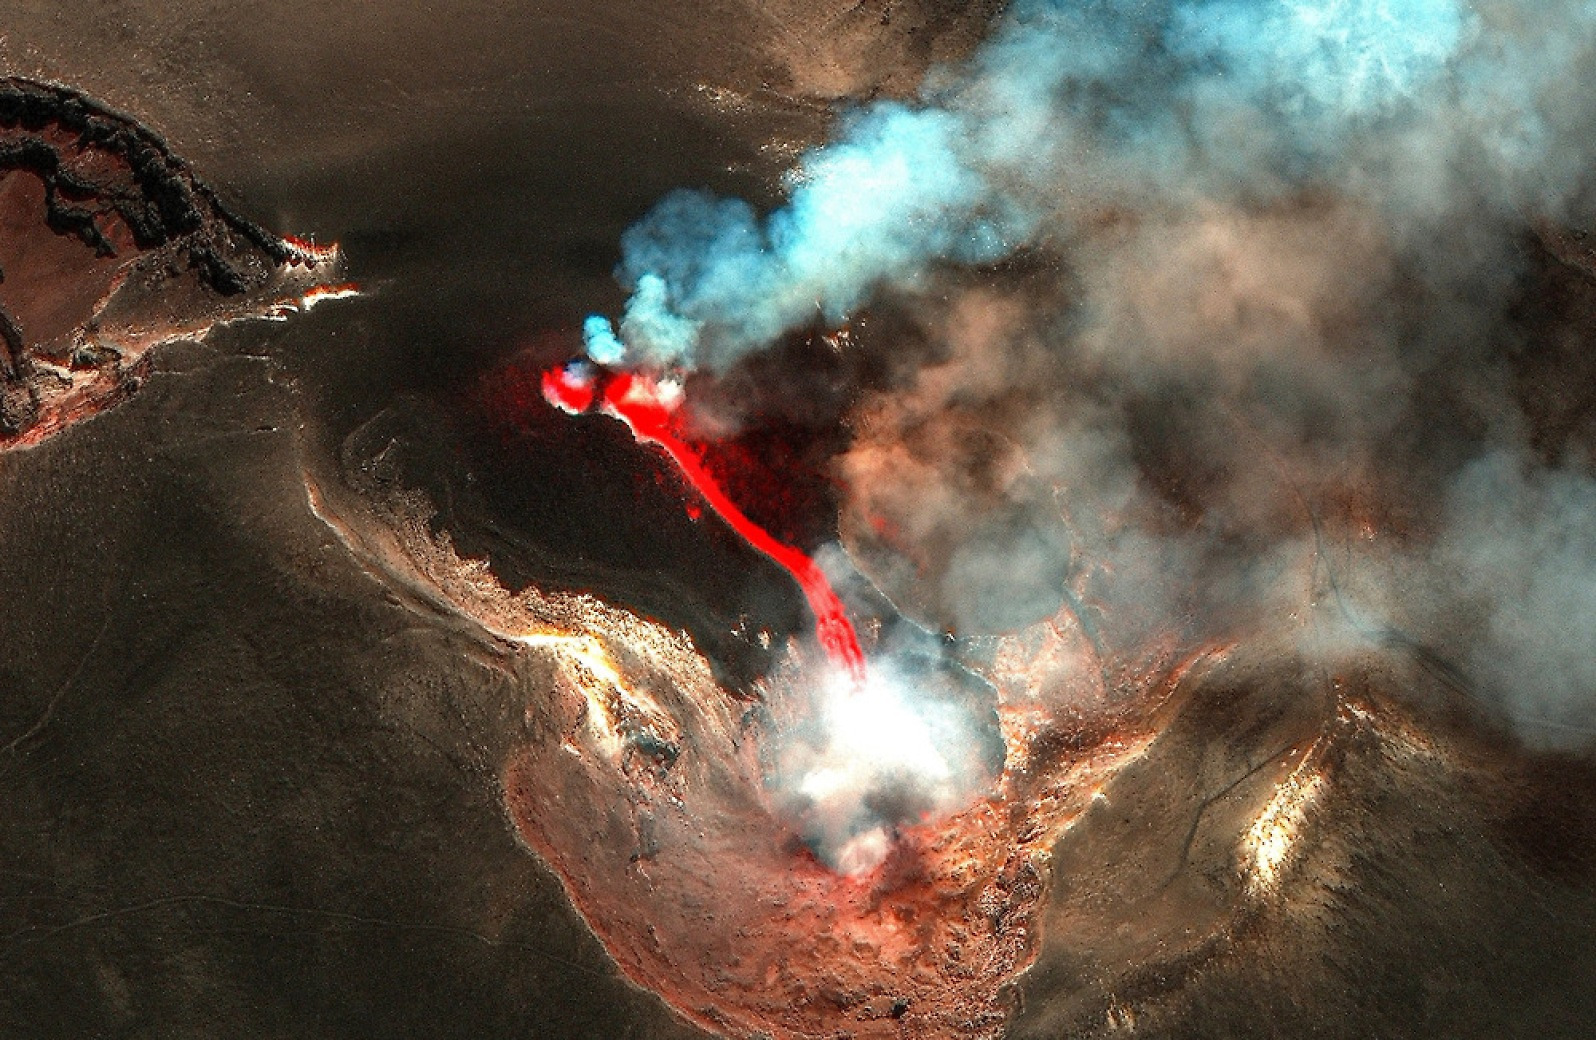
{"x":642,"y":783}
{"x":872,"y":731}
{"x":869,"y":737}
{"x":1248,"y":200}
{"x":647,"y":406}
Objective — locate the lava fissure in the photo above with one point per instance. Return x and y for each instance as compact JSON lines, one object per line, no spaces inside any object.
{"x":646,"y":409}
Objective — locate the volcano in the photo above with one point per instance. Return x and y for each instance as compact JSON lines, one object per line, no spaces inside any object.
{"x":645,"y":407}
{"x":1187,"y":405}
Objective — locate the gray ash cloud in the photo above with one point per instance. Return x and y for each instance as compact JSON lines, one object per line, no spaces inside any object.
{"x":1218,"y":316}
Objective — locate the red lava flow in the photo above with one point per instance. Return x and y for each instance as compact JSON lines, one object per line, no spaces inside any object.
{"x":641,"y":784}
{"x":647,"y":409}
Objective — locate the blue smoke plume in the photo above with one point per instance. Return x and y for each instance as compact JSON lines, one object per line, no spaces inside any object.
{"x":1082,"y":104}
{"x":1328,"y":61}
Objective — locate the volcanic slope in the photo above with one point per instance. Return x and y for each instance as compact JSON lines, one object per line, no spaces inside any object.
{"x":109,"y":246}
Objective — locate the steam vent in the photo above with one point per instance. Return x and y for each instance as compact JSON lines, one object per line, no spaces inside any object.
{"x":798,"y":520}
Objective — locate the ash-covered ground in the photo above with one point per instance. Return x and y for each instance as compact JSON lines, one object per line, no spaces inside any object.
{"x":255,"y":786}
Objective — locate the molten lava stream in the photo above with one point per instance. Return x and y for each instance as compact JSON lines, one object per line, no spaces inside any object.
{"x":639,"y":402}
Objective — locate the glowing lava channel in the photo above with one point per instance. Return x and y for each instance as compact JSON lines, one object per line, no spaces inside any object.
{"x":646,"y":406}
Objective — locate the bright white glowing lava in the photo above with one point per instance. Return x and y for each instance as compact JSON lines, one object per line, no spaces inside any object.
{"x":873,"y":738}
{"x":872,"y":726}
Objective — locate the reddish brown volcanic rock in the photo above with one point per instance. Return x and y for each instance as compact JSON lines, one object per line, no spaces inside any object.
{"x":109,"y":246}
{"x":640,"y":781}
{"x":700,"y":893}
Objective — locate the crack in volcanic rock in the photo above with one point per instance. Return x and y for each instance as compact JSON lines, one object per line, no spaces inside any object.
{"x":109,"y":246}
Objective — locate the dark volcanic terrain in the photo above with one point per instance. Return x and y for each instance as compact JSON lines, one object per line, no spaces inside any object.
{"x":289,"y":746}
{"x":110,"y":247}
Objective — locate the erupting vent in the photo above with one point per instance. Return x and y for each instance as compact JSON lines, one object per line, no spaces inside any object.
{"x":648,"y":407}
